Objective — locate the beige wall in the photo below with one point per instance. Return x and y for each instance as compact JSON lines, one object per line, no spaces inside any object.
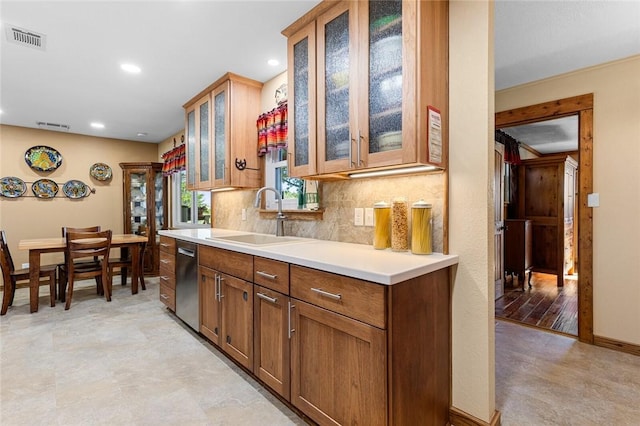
{"x":30,"y":217}
{"x":616,"y":177}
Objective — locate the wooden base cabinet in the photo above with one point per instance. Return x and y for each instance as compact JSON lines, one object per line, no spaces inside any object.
{"x":338,"y":368}
{"x":226,"y":302}
{"x":363,"y":353}
{"x":168,"y":272}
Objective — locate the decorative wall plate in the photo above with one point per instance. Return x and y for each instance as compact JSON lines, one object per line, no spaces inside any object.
{"x":100,"y":171}
{"x":75,"y":189}
{"x":43,"y":158}
{"x":12,"y":187}
{"x":44,"y":188}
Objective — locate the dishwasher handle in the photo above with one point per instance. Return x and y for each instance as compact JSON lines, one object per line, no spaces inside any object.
{"x":186,"y":252}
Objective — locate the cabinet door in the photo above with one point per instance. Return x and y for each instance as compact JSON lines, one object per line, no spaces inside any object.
{"x":220,"y":128}
{"x":237,"y":319}
{"x":338,"y":368}
{"x":198,"y":129}
{"x":209,"y":305}
{"x":302,"y":106}
{"x":271,"y":340}
{"x":337,"y":77}
{"x":387,"y":84}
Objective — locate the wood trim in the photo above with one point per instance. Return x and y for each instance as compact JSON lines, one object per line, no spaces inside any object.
{"x":460,"y":418}
{"x":617,"y":345}
{"x":226,"y":77}
{"x":308,"y":17}
{"x":583,"y":106}
{"x":544,"y":111}
{"x":585,"y":228}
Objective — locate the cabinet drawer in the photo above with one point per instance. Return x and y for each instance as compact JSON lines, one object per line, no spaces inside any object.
{"x":167,"y":245}
{"x":168,"y":261}
{"x":272,"y":274}
{"x":168,"y":296}
{"x":354,"y":298}
{"x":230,"y":262}
{"x":167,"y":279}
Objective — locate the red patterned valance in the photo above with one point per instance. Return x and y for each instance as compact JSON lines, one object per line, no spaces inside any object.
{"x":511,"y":150}
{"x":174,"y":160}
{"x":272,"y":129}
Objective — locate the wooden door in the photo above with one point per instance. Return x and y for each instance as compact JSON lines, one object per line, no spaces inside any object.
{"x":237,"y":319}
{"x":271,"y":340}
{"x":209,"y":305}
{"x":498,"y":214}
{"x":338,"y":371}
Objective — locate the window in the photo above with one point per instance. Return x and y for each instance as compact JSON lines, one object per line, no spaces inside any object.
{"x":191,"y":209}
{"x":277,"y":176}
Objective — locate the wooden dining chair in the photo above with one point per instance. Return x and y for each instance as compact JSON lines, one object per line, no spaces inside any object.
{"x":124,"y":263}
{"x":88,"y":263}
{"x":87,"y":245}
{"x":11,"y":276}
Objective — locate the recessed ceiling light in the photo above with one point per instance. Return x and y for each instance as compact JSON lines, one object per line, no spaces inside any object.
{"x":273,"y":62}
{"x":133,"y":69}
{"x":142,"y":134}
{"x":96,"y":125}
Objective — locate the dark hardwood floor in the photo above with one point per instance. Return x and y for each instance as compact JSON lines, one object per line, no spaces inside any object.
{"x":544,"y":305}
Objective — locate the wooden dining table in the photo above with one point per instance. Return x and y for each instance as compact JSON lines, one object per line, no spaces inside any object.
{"x":37,"y":246}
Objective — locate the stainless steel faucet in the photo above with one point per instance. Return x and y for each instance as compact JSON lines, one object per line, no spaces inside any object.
{"x":280,"y":217}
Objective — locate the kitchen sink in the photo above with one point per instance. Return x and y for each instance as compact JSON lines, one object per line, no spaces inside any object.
{"x":258,"y":239}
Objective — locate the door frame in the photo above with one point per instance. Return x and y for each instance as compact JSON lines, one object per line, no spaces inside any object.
{"x":582,"y":106}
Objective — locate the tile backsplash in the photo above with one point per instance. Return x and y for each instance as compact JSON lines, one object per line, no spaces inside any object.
{"x":338,"y":199}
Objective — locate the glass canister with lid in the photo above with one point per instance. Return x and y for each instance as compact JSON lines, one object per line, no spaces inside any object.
{"x":399,"y":225}
{"x":382,"y":229}
{"x":421,"y":228}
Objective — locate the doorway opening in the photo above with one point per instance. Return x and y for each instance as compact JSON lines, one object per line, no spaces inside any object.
{"x":553,"y":279}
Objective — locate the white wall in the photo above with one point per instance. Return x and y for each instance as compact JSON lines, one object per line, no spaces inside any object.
{"x":616,"y":177}
{"x":471,"y":146}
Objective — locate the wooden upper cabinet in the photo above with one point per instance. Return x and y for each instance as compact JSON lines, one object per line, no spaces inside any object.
{"x":222,"y":141}
{"x":379,"y":65}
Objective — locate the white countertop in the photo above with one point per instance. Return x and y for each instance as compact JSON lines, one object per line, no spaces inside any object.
{"x":354,"y":260}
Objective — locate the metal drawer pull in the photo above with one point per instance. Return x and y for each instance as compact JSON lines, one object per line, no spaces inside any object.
{"x":165,"y":261}
{"x":164,"y":296}
{"x":164,"y":245}
{"x":164,"y":278}
{"x":326,"y":293}
{"x":264,"y":274}
{"x":267,"y":298}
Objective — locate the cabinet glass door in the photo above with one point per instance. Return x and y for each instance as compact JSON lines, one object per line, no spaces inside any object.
{"x":337,"y":138}
{"x":191,"y":149}
{"x":220,"y":135}
{"x":301,"y":103}
{"x":138,"y":207}
{"x":301,"y":52}
{"x":385,"y":76}
{"x":205,"y":155}
{"x":159,"y":197}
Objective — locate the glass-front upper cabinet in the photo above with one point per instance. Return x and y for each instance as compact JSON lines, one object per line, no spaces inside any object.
{"x":380,"y":67}
{"x":198,"y":130}
{"x":221,"y":130}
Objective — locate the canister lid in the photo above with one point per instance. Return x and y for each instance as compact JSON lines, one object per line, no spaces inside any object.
{"x":421,"y":204}
{"x":381,"y":205}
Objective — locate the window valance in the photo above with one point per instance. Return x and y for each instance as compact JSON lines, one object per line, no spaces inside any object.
{"x":174,"y":160}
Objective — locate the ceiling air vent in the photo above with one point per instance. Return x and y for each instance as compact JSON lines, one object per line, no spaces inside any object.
{"x":53,"y":126}
{"x":25,"y":37}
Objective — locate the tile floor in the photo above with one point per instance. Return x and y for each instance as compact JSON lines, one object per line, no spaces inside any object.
{"x":130,"y":362}
{"x":127,"y":362}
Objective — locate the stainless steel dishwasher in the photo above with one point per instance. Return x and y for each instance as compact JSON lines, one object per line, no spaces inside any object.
{"x":187,"y":300}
